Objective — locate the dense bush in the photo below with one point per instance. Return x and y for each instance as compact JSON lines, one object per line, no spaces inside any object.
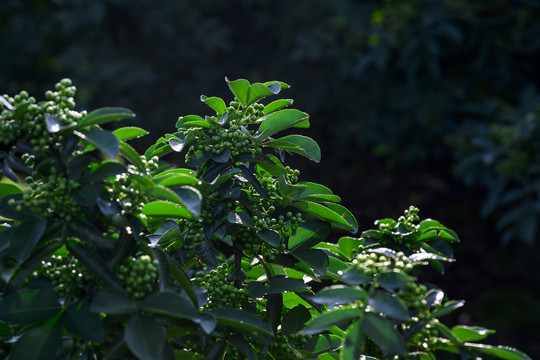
{"x":108,"y":254}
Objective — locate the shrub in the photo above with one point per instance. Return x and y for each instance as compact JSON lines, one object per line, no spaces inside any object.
{"x":109,"y":254}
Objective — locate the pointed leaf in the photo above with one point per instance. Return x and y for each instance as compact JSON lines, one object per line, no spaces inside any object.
{"x":280,"y":284}
{"x":240,"y":89}
{"x":104,"y":115}
{"x":271,"y":237}
{"x":29,"y":306}
{"x":253,"y":180}
{"x":241,"y":320}
{"x":166,"y":209}
{"x":215,"y":103}
{"x":294,"y":320}
{"x":112,"y":302}
{"x":282,"y":120}
{"x":353,"y":343}
{"x":389,"y":305}
{"x":502,"y":352}
{"x":309,"y":234}
{"x":345,"y":213}
{"x":7,"y":189}
{"x":339,"y":294}
{"x":331,"y":318}
{"x":392,"y":280}
{"x":42,"y":342}
{"x":129,"y":132}
{"x":145,"y":337}
{"x":383,"y":333}
{"x":325,"y":213}
{"x":102,"y":139}
{"x":471,"y":333}
{"x":240,"y":218}
{"x":25,"y":237}
{"x":277,"y":105}
{"x":258,"y":91}
{"x":170,"y":305}
{"x":298,"y":144}
{"x":81,"y":322}
{"x":317,"y":259}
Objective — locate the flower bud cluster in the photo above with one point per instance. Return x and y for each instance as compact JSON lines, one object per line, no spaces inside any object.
{"x":139,"y":276}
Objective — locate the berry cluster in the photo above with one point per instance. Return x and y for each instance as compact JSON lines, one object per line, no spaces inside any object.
{"x":66,"y":274}
{"x":221,"y":291}
{"x":22,"y":118}
{"x":49,"y":196}
{"x":139,"y":276}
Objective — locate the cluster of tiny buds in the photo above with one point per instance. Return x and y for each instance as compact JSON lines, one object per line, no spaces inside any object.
{"x":66,"y":274}
{"x":221,"y":291}
{"x":139,"y":276}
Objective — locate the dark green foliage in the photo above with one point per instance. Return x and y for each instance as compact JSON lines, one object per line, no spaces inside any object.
{"x":109,"y":254}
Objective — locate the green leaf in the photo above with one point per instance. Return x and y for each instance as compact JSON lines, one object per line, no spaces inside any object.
{"x":502,"y":352}
{"x":176,"y":177}
{"x":282,"y":120}
{"x":42,"y":342}
{"x":356,"y":276}
{"x":170,"y":305}
{"x":294,"y":320}
{"x":54,"y":125}
{"x":240,"y":218}
{"x":393,"y":279}
{"x":183,"y":280}
{"x":105,"y":115}
{"x":102,"y":139}
{"x":215,"y":103}
{"x":99,"y":268}
{"x":241,"y":320}
{"x":309,"y":234}
{"x":258,"y":91}
{"x":280,"y":284}
{"x":192,"y":121}
{"x":7,"y":189}
{"x":129,"y":132}
{"x":240,"y":343}
{"x":447,"y":308}
{"x":271,"y":237}
{"x":252,"y":180}
{"x":191,"y":198}
{"x":240,"y":89}
{"x":471,"y":333}
{"x":316,"y":192}
{"x":25,"y":237}
{"x":205,"y":252}
{"x":112,"y":302}
{"x":277,"y":105}
{"x":325,"y":213}
{"x":349,"y":245}
{"x":389,"y":305}
{"x":331,"y":318}
{"x":145,"y":337}
{"x":339,"y":294}
{"x":81,"y":322}
{"x":29,"y":306}
{"x":131,"y":155}
{"x":105,"y":170}
{"x":90,"y":234}
{"x":164,"y":193}
{"x":345,"y":213}
{"x":352,"y":343}
{"x":383,"y":333}
{"x":298,"y":144}
{"x":317,"y":259}
{"x":166,"y":209}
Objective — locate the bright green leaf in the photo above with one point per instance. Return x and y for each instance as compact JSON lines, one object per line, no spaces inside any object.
{"x":129,"y":132}
{"x":471,"y":333}
{"x":502,"y":352}
{"x":104,"y":115}
{"x":282,"y":120}
{"x":167,"y":209}
{"x":298,"y":144}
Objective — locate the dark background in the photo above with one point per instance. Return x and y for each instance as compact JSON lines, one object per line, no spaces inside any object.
{"x":429,"y":103}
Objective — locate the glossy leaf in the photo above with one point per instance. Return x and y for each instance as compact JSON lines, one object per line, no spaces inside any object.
{"x":102,"y":139}
{"x":447,"y":308}
{"x":106,"y":170}
{"x":271,"y":237}
{"x":325,"y":213}
{"x":25,"y":237}
{"x":282,"y":120}
{"x":353,"y":343}
{"x":471,"y":333}
{"x":205,"y":252}
{"x":502,"y":352}
{"x":29,"y":306}
{"x":345,"y":213}
{"x":129,"y":132}
{"x":298,"y":144}
{"x":277,"y":105}
{"x":356,"y":276}
{"x":241,"y":320}
{"x":112,"y":302}
{"x":316,"y":192}
{"x":258,"y":91}
{"x":166,"y":209}
{"x":81,"y":322}
{"x":215,"y":103}
{"x":383,"y":333}
{"x":392,"y":280}
{"x":317,"y":259}
{"x":331,"y":318}
{"x":294,"y":320}
{"x":339,"y":294}
{"x":240,"y":89}
{"x":349,"y":245}
{"x":105,"y":115}
{"x":240,"y":218}
{"x":145,"y":337}
{"x":309,"y":234}
{"x":38,"y":343}
{"x":170,"y":305}
{"x":279,"y":284}
{"x":389,"y":305}
{"x":7,"y":189}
